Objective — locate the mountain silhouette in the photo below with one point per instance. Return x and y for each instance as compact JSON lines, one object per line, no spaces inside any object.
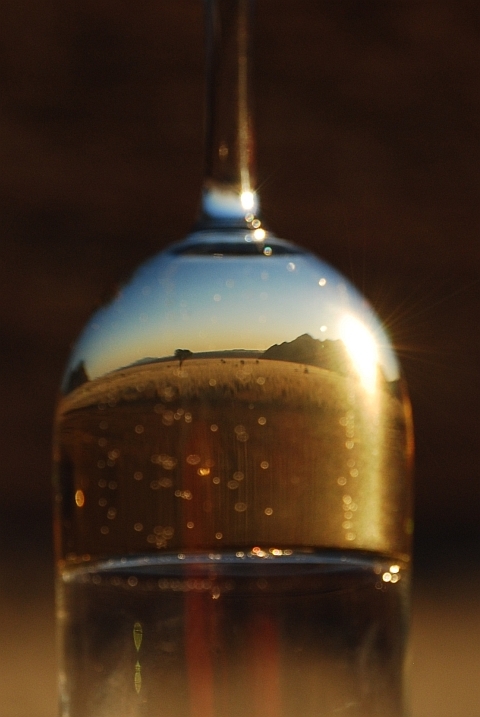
{"x":327,"y":354}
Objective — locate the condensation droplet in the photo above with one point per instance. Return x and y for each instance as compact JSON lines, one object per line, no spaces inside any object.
{"x":214,"y":428}
{"x":349,"y":445}
{"x":262,"y":420}
{"x":264,"y":465}
{"x":268,"y":511}
{"x":341,"y":480}
{"x":190,"y":524}
{"x":219,"y":536}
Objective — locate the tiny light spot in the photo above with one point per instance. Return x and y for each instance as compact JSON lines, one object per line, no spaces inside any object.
{"x":290,"y":266}
{"x":350,"y":536}
{"x":322,"y":281}
{"x":264,"y":465}
{"x":139,"y":428}
{"x":259,"y":234}
{"x":386,"y":577}
{"x":348,"y":515}
{"x":268,"y":511}
{"x":138,"y":527}
{"x":217,"y":297}
{"x":394,"y":568}
{"x":347,"y":499}
{"x":193,"y":459}
{"x":132,"y":581}
{"x":350,"y":463}
{"x":190,"y":524}
{"x":101,"y":464}
{"x":203,"y":471}
{"x":395,"y":578}
{"x":268,"y":251}
{"x":212,"y":381}
{"x":165,"y":482}
{"x":102,"y":502}
{"x":80,"y":498}
{"x":112,"y":485}
{"x":260,"y":380}
{"x":354,"y":473}
{"x":230,"y":283}
{"x":349,"y":445}
{"x":346,"y":525}
{"x":219,"y":536}
{"x":103,"y":425}
{"x":102,"y":442}
{"x":188,"y":417}
{"x":323,"y":328}
{"x":341,"y":480}
{"x":104,"y":529}
{"x":111,"y":513}
{"x":240,"y":507}
{"x":138,"y":475}
{"x":262,"y":420}
{"x":216,"y":480}
{"x":238,"y":475}
{"x":214,"y":428}
{"x":232,"y":484}
{"x":102,"y":483}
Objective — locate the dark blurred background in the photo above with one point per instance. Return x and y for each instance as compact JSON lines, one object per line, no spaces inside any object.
{"x":367,"y":118}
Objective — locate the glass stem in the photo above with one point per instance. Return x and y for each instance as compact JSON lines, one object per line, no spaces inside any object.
{"x":229,"y":197}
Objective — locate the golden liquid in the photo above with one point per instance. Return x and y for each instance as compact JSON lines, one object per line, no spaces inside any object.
{"x":229,"y":635}
{"x":222,"y":454}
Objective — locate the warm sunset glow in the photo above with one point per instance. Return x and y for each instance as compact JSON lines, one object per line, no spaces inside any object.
{"x":362,"y":349}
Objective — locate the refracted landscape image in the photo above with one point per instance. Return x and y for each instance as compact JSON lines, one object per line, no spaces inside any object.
{"x":206,"y":451}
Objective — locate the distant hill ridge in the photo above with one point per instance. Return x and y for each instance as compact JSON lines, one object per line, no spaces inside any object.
{"x":327,"y":354}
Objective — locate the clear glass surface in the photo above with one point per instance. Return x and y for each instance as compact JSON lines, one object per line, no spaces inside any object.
{"x":232,"y":455}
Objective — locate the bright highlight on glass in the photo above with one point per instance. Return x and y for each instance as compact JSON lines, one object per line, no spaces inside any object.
{"x":362,"y":349}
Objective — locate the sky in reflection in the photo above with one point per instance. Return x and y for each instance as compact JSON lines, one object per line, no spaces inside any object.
{"x":219,"y":303}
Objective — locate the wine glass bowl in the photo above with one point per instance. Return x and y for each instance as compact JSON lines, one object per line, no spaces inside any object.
{"x":232,"y":469}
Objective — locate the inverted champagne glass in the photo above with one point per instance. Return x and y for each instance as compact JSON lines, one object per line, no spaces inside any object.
{"x":232,"y":469}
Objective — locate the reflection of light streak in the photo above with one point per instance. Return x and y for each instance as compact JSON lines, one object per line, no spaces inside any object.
{"x":362,"y":349}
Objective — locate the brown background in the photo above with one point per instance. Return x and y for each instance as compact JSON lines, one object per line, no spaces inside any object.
{"x":367,"y":119}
